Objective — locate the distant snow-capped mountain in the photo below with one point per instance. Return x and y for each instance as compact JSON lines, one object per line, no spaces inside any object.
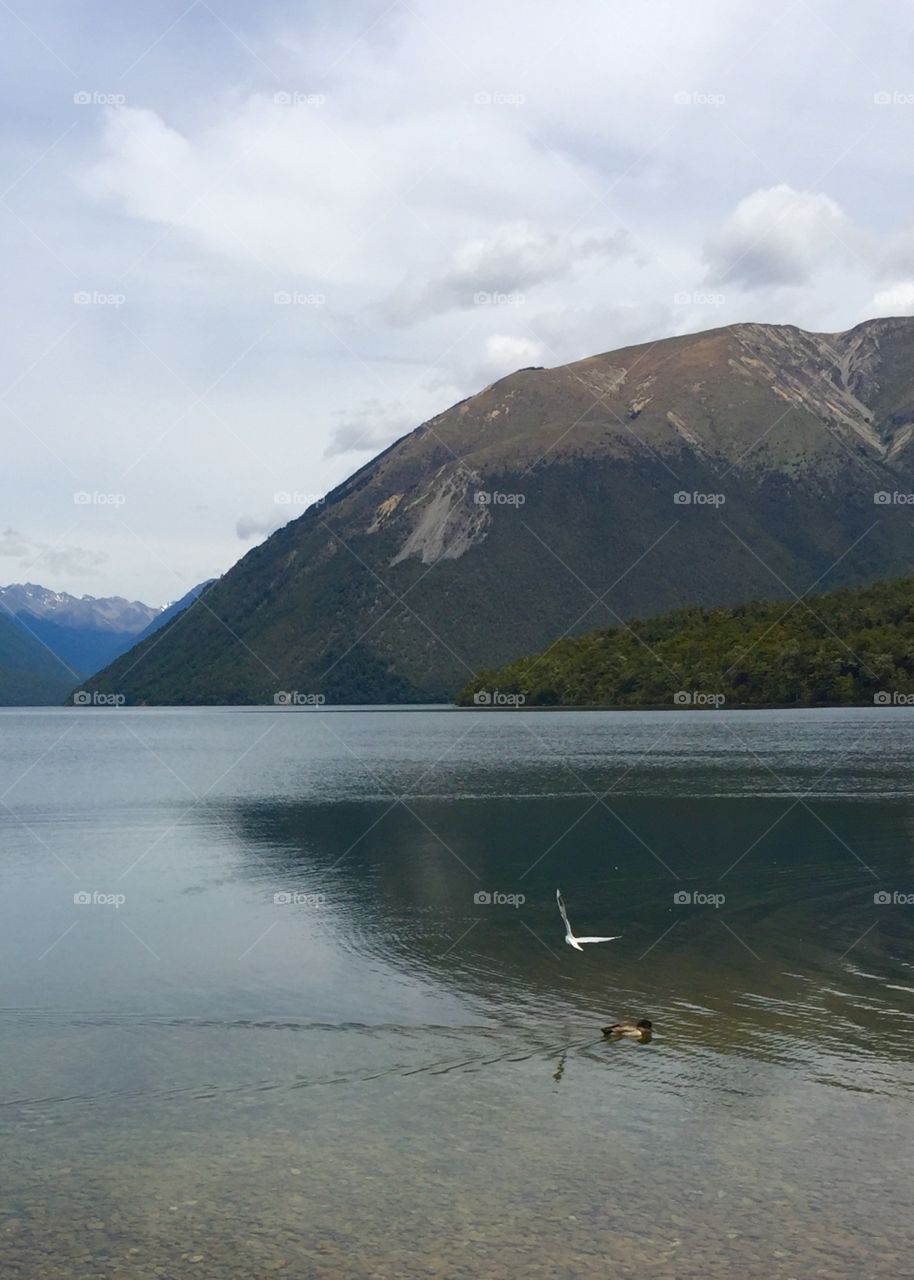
{"x":50,"y":641}
{"x":110,"y":613}
{"x":83,"y":632}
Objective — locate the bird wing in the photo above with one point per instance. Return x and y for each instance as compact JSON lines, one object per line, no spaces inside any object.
{"x":612,"y":939}
{"x":560,"y":901}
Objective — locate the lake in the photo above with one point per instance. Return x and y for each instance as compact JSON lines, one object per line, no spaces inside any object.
{"x":286,"y":992}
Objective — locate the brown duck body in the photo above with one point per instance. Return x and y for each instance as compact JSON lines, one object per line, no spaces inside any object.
{"x":632,"y":1031}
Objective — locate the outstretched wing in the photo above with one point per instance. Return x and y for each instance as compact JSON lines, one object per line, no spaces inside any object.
{"x":561,"y":902}
{"x":612,"y":939}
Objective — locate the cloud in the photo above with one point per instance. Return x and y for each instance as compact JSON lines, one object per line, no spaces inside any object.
{"x":232,"y":191}
{"x":504,"y":354}
{"x":494,"y":270}
{"x":31,"y":554}
{"x":369,"y":429}
{"x":328,"y":196}
{"x":573,"y":333}
{"x":561,"y":335}
{"x":247,"y":527}
{"x":778,"y":236}
{"x":896,"y":259}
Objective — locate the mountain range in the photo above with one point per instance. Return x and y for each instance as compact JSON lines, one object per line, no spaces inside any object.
{"x":84,"y":632}
{"x":51,"y":641}
{"x":748,"y":461}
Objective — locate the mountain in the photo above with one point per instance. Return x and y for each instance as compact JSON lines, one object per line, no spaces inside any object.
{"x":748,"y":461}
{"x":84,"y":632}
{"x":52,"y":641}
{"x":29,"y":674}
{"x":853,"y":647}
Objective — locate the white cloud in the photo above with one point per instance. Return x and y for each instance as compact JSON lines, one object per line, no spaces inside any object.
{"x":573,"y":333}
{"x":351,"y":202}
{"x":494,"y":270}
{"x":371,"y":428}
{"x":895,"y":258}
{"x":779,"y":236}
{"x":504,"y":353}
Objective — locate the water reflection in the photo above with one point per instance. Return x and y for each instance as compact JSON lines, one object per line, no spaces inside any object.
{"x":761,"y":963}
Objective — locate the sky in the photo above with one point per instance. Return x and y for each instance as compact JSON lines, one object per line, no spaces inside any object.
{"x":247,"y":245}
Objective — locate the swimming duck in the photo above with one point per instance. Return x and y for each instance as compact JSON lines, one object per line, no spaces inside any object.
{"x":633,"y":1031}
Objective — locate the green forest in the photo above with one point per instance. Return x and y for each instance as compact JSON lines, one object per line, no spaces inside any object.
{"x":845,"y":648}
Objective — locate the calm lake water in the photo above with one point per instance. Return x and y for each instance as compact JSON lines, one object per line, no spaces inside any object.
{"x":284,"y":1037}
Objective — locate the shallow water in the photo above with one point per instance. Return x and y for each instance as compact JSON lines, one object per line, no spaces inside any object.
{"x":283,"y":1037}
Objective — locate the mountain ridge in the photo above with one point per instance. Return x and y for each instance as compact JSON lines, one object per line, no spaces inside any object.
{"x":116,"y":613}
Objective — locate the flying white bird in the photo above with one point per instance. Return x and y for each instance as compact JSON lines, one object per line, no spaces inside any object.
{"x":569,"y":936}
